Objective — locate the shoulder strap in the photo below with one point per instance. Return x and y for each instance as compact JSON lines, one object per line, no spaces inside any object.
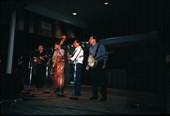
{"x":74,"y":52}
{"x":78,"y":54}
{"x":97,"y":50}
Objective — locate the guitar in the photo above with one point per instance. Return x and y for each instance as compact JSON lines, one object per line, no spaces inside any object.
{"x":73,"y":62}
{"x":69,"y":58}
{"x":40,"y":59}
{"x":92,"y":62}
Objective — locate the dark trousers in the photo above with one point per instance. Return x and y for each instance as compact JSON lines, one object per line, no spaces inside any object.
{"x":99,"y":80}
{"x":77,"y":86}
{"x":40,"y":76}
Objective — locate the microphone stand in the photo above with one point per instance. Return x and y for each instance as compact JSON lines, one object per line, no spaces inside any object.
{"x":74,"y":97}
{"x":30,"y":76}
{"x":47,"y":75}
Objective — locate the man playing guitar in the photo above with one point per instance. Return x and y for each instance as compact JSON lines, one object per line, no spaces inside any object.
{"x":40,"y":67}
{"x":77,"y":58}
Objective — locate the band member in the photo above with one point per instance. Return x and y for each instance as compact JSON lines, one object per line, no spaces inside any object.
{"x":98,"y":72}
{"x":58,"y":68}
{"x":77,"y":58}
{"x":40,"y":67}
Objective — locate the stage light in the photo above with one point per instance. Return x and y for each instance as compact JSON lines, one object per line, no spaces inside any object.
{"x":106,"y":3}
{"x":74,"y":13}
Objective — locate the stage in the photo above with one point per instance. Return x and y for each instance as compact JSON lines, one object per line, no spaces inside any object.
{"x":32,"y":101}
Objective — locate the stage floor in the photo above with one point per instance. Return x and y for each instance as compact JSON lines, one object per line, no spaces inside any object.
{"x":45,"y":102}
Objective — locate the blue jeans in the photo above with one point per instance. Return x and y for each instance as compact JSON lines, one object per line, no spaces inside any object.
{"x":77,"y":86}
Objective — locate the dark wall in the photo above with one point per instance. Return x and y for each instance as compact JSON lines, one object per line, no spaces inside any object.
{"x":151,"y":15}
{"x":144,"y":64}
{"x":134,"y":66}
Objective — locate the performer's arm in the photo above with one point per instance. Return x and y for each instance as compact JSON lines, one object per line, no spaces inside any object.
{"x":104,"y":64}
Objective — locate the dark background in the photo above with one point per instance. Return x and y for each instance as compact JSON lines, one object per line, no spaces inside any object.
{"x":139,"y":65}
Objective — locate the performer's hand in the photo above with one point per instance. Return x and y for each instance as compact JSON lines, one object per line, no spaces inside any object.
{"x":104,"y":66}
{"x":41,"y":58}
{"x":20,"y":62}
{"x":69,"y":58}
{"x":87,"y":67}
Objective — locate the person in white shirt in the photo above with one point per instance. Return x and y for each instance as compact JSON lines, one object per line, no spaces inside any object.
{"x":77,"y":59}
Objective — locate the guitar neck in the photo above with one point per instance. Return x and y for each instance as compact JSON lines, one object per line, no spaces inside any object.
{"x":109,"y":52}
{"x":101,"y":56}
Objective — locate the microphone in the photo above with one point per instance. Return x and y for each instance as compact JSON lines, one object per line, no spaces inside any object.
{"x":85,"y":42}
{"x":83,"y":45}
{"x":70,"y":46}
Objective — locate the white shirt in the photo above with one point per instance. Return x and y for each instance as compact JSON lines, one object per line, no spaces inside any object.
{"x":78,"y":55}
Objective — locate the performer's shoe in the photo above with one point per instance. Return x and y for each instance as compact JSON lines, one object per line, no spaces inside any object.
{"x":103,"y":99}
{"x":74,"y":97}
{"x":93,"y":98}
{"x":60,"y":95}
{"x":55,"y":91}
{"x":77,"y":95}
